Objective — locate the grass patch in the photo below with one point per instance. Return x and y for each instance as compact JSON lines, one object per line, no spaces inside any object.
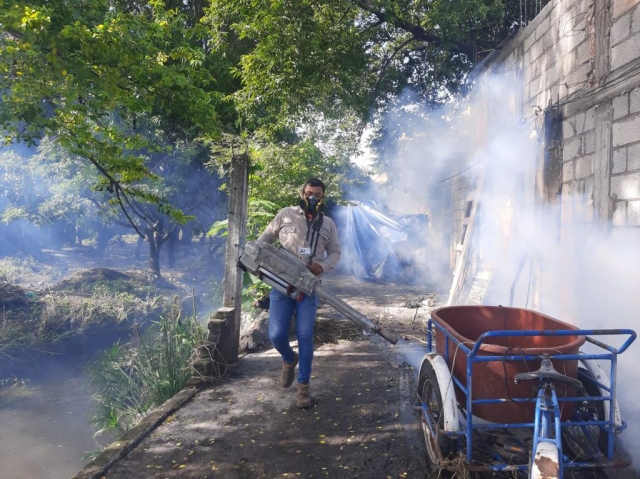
{"x":40,"y":322}
{"x":15,"y":270}
{"x":40,"y":325}
{"x":102,"y":281}
{"x":131,"y":379}
{"x":14,"y":389}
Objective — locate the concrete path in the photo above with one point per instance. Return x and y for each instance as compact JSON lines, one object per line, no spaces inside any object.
{"x":361,"y":424}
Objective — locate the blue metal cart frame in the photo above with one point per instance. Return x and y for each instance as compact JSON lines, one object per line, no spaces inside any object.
{"x":465,"y":435}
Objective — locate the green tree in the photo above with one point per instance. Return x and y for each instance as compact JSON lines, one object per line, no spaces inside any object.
{"x":114,"y":83}
{"x":347,"y":59}
{"x":119,"y":82}
{"x":47,"y":186}
{"x":277,"y":174}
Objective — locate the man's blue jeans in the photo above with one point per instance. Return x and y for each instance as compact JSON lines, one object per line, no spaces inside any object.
{"x":280,"y":311}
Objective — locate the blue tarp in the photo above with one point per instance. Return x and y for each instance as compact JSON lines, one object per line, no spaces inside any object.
{"x":376,"y":245}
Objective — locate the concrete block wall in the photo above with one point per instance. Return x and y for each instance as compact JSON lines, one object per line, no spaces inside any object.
{"x":582,"y":59}
{"x":625,"y":33}
{"x":552,"y":58}
{"x":570,"y":54}
{"x":625,"y":173}
{"x":557,"y":57}
{"x":625,"y":170}
{"x":578,"y":135}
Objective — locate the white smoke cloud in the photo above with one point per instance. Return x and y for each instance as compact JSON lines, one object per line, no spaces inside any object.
{"x":587,"y":275}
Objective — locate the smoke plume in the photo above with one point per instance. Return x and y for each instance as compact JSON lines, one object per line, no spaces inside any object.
{"x":571,"y":268}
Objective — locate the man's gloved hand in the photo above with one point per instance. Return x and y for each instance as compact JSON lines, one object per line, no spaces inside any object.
{"x":315,"y":268}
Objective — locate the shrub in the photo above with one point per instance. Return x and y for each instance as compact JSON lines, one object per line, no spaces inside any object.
{"x":133,"y":378}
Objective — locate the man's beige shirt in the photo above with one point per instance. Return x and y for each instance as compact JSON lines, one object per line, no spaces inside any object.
{"x":291,"y":228}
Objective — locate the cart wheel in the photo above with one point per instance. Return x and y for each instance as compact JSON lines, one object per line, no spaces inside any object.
{"x":545,"y":463}
{"x":584,"y":443}
{"x":429,"y":390}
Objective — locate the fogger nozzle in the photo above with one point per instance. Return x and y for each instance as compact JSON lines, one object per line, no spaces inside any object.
{"x":288,"y":274}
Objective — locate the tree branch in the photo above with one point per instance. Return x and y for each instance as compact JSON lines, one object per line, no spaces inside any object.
{"x":417,"y":31}
{"x":124,"y":210}
{"x":118,"y":189}
{"x":385,"y":65}
{"x":139,"y":212}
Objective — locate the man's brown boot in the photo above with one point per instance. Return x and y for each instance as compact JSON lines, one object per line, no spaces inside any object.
{"x":288,"y":370}
{"x":303,"y":398}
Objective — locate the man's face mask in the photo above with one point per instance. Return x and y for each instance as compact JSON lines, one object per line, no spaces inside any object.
{"x":310,"y":203}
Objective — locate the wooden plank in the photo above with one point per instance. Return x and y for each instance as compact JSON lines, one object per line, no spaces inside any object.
{"x":237,"y":232}
{"x":601,"y":30}
{"x":603,"y":208}
{"x":461,"y":265}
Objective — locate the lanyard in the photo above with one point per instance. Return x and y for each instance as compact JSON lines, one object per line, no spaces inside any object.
{"x":315,"y":235}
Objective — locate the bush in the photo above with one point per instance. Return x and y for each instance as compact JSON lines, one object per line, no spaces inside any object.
{"x":131,"y":379}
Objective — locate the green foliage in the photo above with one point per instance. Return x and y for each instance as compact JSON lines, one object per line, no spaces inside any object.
{"x":96,"y":61}
{"x":49,"y":185}
{"x":14,"y":270}
{"x":43,"y":323}
{"x":313,"y":61}
{"x":261,"y":212}
{"x":131,"y":380}
{"x":93,"y":76}
{"x":125,"y":86}
{"x":276,"y":177}
{"x":278,"y":172}
{"x":295,"y":49}
{"x":252,"y":290}
{"x":13,"y":338}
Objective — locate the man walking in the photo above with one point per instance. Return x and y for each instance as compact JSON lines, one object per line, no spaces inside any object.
{"x":311,"y":236}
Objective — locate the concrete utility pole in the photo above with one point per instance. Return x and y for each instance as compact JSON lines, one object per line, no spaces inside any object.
{"x":229,"y":315}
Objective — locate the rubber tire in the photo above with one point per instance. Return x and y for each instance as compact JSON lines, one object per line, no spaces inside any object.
{"x":603,"y":440}
{"x":428,"y":386}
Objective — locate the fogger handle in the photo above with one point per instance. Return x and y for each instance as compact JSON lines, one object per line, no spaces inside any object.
{"x":389,"y":337}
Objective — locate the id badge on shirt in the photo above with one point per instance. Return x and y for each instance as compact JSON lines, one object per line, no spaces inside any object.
{"x":304,"y":251}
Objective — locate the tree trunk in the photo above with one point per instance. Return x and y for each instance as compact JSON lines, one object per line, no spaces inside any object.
{"x":172,"y":245}
{"x":104,"y":235}
{"x":28,"y":245}
{"x":139,"y":244}
{"x":57,"y":235}
{"x":187,"y":235}
{"x":154,"y":250}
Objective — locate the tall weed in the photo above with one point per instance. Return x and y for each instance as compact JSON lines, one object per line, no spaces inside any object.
{"x":133,"y":378}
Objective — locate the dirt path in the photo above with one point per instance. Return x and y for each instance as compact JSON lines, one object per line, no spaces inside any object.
{"x":361,"y":424}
